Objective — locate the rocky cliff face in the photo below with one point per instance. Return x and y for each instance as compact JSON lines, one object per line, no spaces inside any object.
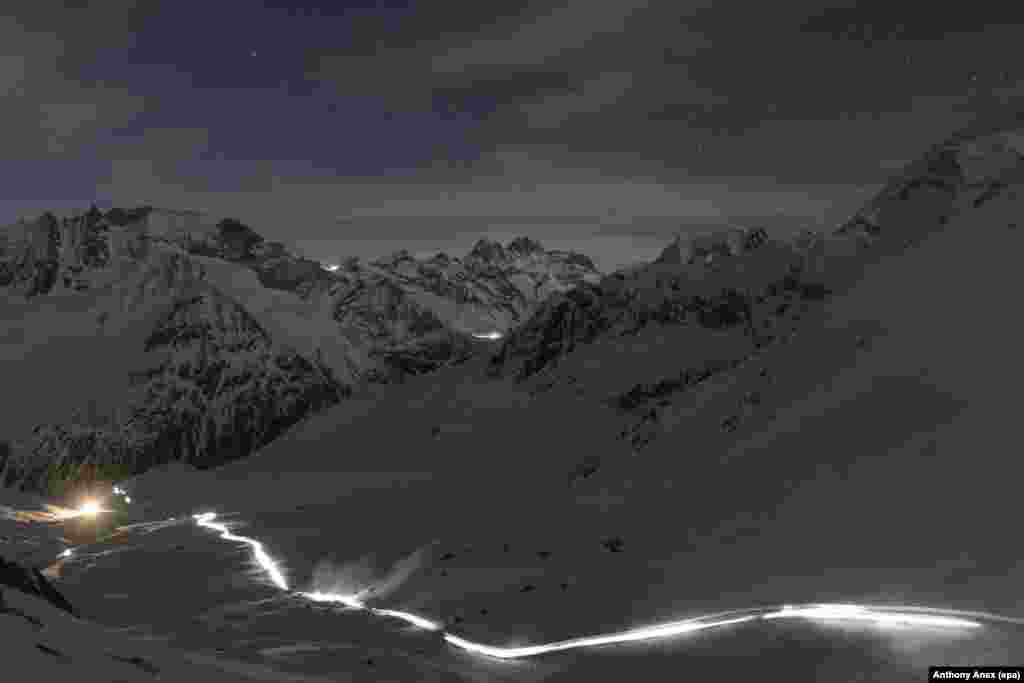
{"x":686,"y":249}
{"x":415,"y":315}
{"x":30,"y":581}
{"x":244,"y":338}
{"x":29,"y":256}
{"x":218,"y":388}
{"x":223,"y":388}
{"x":494,"y":287}
{"x":722,"y":281}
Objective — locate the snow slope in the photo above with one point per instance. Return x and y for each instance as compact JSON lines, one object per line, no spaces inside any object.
{"x":43,"y":644}
{"x":849,"y":437}
{"x":864,"y":451}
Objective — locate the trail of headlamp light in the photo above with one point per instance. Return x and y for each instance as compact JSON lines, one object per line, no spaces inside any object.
{"x":922,"y":617}
{"x":264,"y":560}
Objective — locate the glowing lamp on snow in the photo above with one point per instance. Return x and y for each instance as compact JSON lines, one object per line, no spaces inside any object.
{"x":90,"y":508}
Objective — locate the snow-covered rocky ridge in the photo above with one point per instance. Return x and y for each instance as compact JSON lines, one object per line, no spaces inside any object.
{"x":205,"y":341}
{"x":417,"y":314}
{"x":720,"y":281}
{"x":974,"y":165}
{"x":742,"y":279}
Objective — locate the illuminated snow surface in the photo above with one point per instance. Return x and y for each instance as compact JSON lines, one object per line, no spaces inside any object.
{"x":913,"y":617}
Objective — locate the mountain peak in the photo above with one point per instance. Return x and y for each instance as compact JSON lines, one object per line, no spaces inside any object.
{"x":395,"y":258}
{"x":687,"y":247}
{"x":525,"y":245}
{"x":487,"y":250}
{"x":491,"y":250}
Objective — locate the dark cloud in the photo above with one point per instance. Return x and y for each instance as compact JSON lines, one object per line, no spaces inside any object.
{"x":48,"y":110}
{"x":625,"y":120}
{"x":380,"y":27}
{"x":503,"y":90}
{"x":873,"y":21}
{"x":656,"y":87}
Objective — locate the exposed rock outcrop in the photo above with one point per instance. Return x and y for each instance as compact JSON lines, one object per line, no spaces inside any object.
{"x":31,"y":581}
{"x":416,"y":315}
{"x":687,"y":248}
{"x":29,"y":255}
{"x":734,"y":291}
{"x":223,"y":388}
{"x":220,"y":390}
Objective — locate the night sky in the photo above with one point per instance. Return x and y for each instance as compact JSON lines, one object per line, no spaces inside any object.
{"x":359,"y":128}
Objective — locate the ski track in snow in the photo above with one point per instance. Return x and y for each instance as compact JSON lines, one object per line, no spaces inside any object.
{"x":914,"y":617}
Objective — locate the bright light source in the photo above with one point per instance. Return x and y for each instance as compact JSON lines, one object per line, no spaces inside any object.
{"x":90,"y":507}
{"x":488,"y":335}
{"x":66,"y":553}
{"x":127,"y":499}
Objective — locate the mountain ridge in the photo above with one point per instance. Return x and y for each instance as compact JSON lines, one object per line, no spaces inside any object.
{"x":387,"y":318}
{"x":329,"y":330}
{"x":826,"y":419}
{"x":737,"y":275}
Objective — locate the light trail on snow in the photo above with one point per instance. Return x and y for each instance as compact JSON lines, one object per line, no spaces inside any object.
{"x":648,"y":633}
{"x":354,"y":602}
{"x":878,"y":617}
{"x":264,"y":560}
{"x":882,"y":617}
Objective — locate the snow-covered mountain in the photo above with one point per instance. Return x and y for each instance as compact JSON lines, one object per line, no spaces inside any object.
{"x":734,"y":279}
{"x":829,"y":418}
{"x":419,"y":314}
{"x":976,"y":164}
{"x":174,"y":336}
{"x":742,"y":279}
{"x":188,"y":338}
